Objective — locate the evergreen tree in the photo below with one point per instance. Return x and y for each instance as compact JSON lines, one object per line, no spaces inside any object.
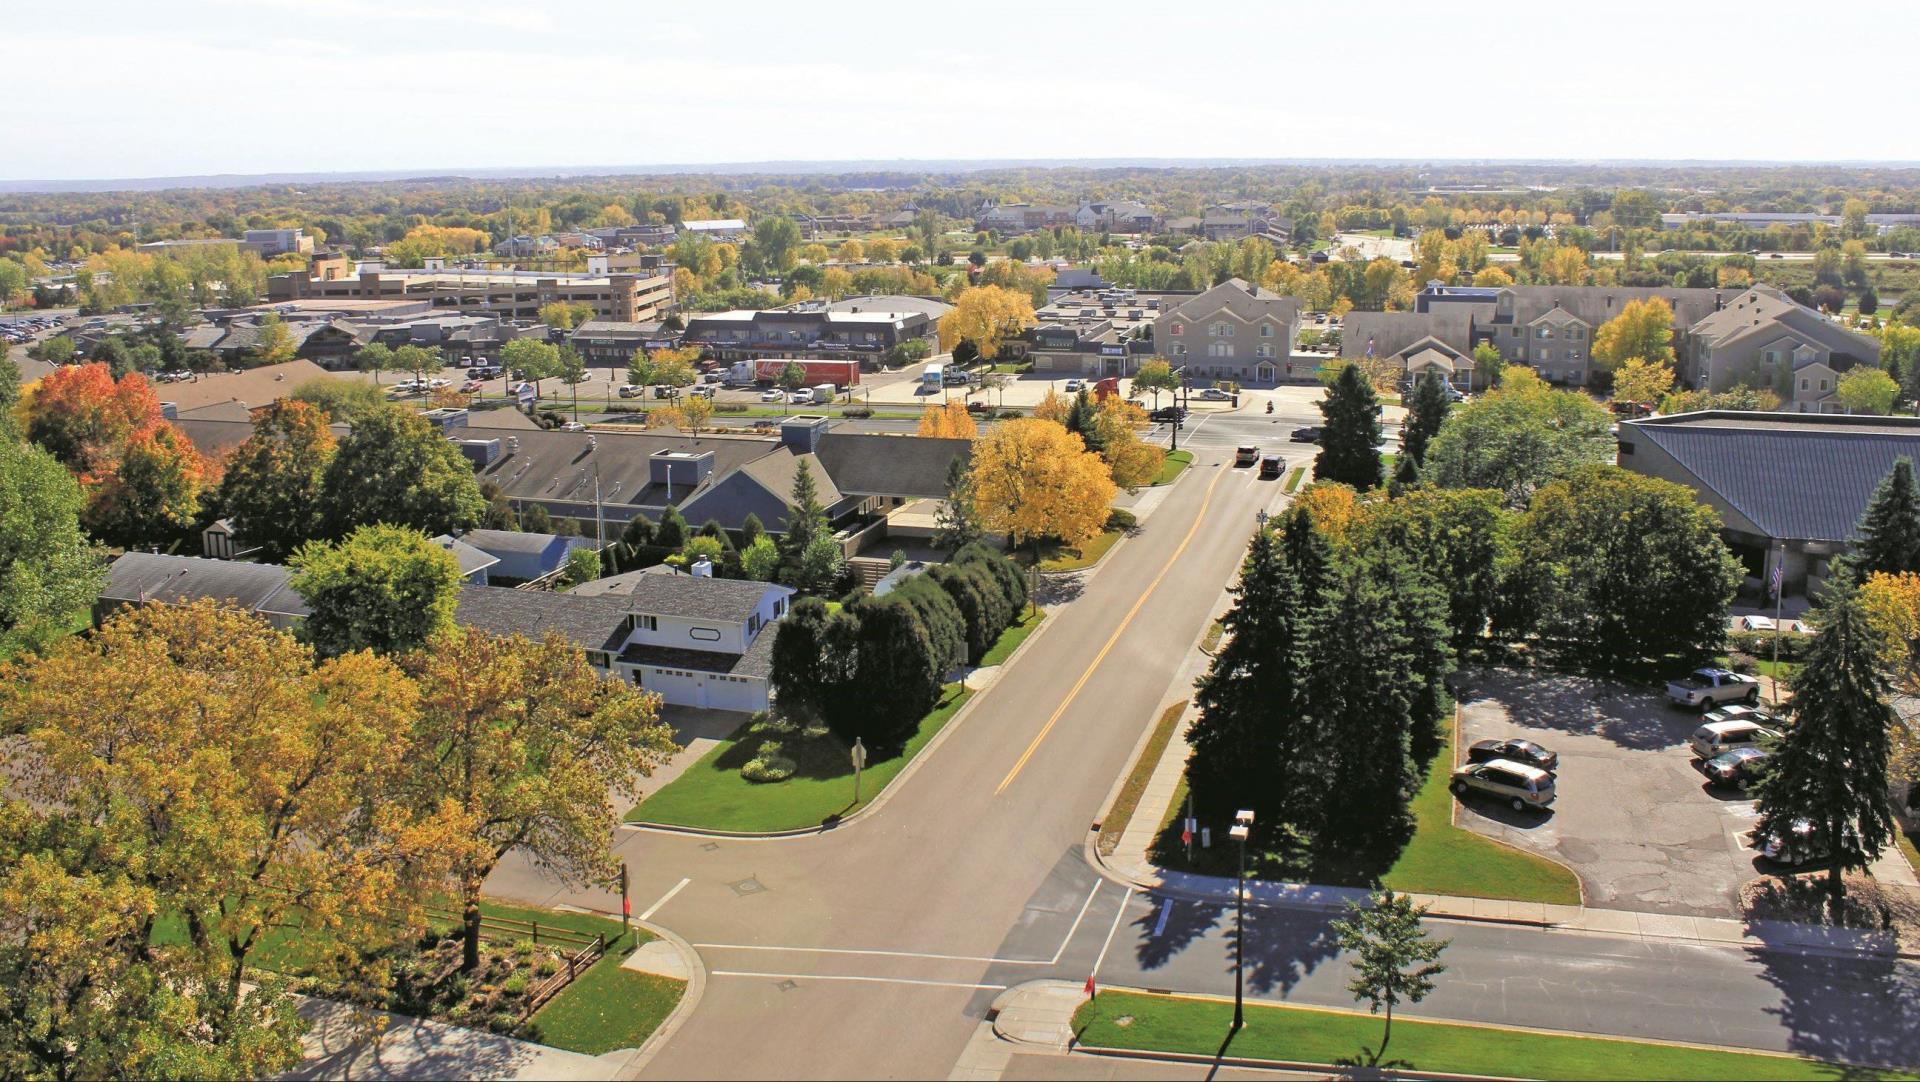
{"x":957,"y":523}
{"x":1890,"y":529}
{"x":1350,"y":445}
{"x":1254,"y":745}
{"x":1424,"y":416}
{"x":1830,"y":770}
{"x":946,"y":626}
{"x":895,"y":674}
{"x":672,"y":531}
{"x":807,"y":672}
{"x":751,"y":529}
{"x":1080,"y":421}
{"x":806,"y":519}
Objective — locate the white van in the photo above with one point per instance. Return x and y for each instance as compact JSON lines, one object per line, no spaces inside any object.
{"x":1716,"y":737}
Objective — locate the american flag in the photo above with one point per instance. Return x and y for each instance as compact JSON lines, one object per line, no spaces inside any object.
{"x":1779,"y":570}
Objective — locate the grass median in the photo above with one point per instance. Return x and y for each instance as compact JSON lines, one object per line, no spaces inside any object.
{"x":1158,"y":1023}
{"x":1135,"y":786}
{"x":713,"y":795}
{"x":1173,"y":467}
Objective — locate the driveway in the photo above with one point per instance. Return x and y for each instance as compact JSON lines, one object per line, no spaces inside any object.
{"x":1633,"y":816}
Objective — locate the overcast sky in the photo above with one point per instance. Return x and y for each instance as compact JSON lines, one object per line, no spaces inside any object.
{"x":133,"y":88}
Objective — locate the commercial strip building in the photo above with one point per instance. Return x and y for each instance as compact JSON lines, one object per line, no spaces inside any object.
{"x":1790,"y":487}
{"x":857,"y":328}
{"x":506,"y":294}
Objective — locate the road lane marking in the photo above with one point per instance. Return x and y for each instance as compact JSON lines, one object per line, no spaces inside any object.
{"x":1117,"y":917}
{"x":1117,"y":632}
{"x":1161,"y":924}
{"x":877,"y":954}
{"x":1076,"y":920}
{"x":868,"y":980}
{"x":664,"y":899}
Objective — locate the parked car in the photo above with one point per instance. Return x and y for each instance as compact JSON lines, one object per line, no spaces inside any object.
{"x":1074,"y":385}
{"x":1246,"y":455}
{"x":632,"y":390}
{"x":573,"y":426}
{"x":1757,"y":623}
{"x":705,"y":390}
{"x":1520,"y":786}
{"x":438,"y":383}
{"x":1310,"y":434}
{"x":1740,"y":768}
{"x":1271,"y":467}
{"x":473,"y":385}
{"x":1802,"y":842}
{"x":773,"y":396}
{"x":662,"y":390}
{"x":1744,"y":712}
{"x":408,"y":386}
{"x":1716,"y":738}
{"x":1514,"y":750}
{"x":1215,"y":394}
{"x":1702,"y":688}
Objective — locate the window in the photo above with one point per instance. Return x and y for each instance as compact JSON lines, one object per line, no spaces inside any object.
{"x":1823,"y":384}
{"x":1220,"y":349}
{"x":1545,"y":332}
{"x":1266,"y":330}
{"x":1221,"y":330}
{"x":1573,"y":355}
{"x":640,"y":621}
{"x":1263,"y":350}
{"x":1179,"y":349}
{"x":1803,"y":384}
{"x":704,"y":634}
{"x":1178,"y":329}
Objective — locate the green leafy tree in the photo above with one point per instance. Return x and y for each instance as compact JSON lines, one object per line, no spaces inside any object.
{"x":672,"y":531}
{"x":751,"y":529}
{"x":1461,"y":538}
{"x":1490,"y":365}
{"x":48,"y":571}
{"x":1615,"y":569}
{"x":375,"y":357}
{"x":396,"y":468}
{"x":536,"y":360}
{"x":808,"y":666}
{"x":1394,"y":960}
{"x":1424,"y":416}
{"x":760,"y":560}
{"x":777,"y":239}
{"x":387,"y":589}
{"x":1863,"y":389}
{"x":418,"y":360}
{"x":1350,"y":447}
{"x":1830,"y":770}
{"x":9,"y":390}
{"x":271,"y":489}
{"x":1889,"y":540}
{"x":343,"y":401}
{"x":792,"y":377}
{"x":821,"y":566}
{"x":1155,"y":376}
{"x":1518,"y":437}
{"x":583,"y":565}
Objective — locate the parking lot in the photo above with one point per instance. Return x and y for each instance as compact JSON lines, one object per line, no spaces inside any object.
{"x":1633,"y":816}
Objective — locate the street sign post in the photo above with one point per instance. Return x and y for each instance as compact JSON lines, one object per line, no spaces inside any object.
{"x":859,"y":764}
{"x":626,"y":900}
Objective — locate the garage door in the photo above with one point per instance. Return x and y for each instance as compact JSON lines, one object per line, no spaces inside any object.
{"x":735,"y":693}
{"x":677,"y":686}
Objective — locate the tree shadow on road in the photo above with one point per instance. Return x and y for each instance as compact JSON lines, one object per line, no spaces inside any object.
{"x":1632,"y":717}
{"x":1856,"y":1010}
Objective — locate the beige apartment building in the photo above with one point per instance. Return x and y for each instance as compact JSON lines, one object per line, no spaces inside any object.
{"x":623,"y":298}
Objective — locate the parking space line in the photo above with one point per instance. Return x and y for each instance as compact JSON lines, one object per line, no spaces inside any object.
{"x":877,"y":954}
{"x":862,"y":979}
{"x":1117,"y":917}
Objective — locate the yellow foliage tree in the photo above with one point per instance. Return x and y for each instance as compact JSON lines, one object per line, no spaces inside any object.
{"x":986,"y":316}
{"x":1331,"y":507}
{"x":1892,"y":607}
{"x":1643,"y":329}
{"x":852,"y":252}
{"x":1637,"y":381}
{"x":1033,"y":479}
{"x":1132,"y":461}
{"x":948,"y":421}
{"x":1054,"y":407}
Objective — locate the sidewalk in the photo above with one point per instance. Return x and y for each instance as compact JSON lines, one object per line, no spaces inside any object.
{"x":1131,"y":862}
{"x":418,"y":1048}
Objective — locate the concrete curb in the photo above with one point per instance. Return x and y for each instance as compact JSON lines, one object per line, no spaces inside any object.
{"x":696,"y":988}
{"x":1248,"y":1062}
{"x":880,"y":800}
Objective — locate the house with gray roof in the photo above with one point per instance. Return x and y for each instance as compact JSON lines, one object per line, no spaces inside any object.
{"x":1790,"y":487}
{"x":474,"y":563}
{"x":1235,"y":331}
{"x":142,"y":578}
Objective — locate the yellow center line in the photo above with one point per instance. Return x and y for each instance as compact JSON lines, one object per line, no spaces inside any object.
{"x":1117,"y":632}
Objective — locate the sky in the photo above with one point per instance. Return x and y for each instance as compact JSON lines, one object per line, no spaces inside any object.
{"x":188,"y":87}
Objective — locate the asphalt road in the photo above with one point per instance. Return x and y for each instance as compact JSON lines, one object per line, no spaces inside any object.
{"x":873,"y":950}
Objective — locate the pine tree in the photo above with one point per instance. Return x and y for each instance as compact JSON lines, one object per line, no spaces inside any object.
{"x":1890,"y":528}
{"x":1429,"y":408}
{"x":1831,"y":768}
{"x":672,"y":531}
{"x":1253,"y":746}
{"x":805,"y":518}
{"x":957,"y":524}
{"x":1350,"y":446}
{"x":1080,"y":421}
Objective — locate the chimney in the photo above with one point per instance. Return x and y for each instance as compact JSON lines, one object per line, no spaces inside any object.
{"x":702,"y":568}
{"x":803,"y":432}
{"x":1253,"y":290}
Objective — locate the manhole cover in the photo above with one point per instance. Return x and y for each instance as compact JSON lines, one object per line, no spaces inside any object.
{"x":787,"y":985}
{"x":747,"y":886}
{"x":711,"y":846}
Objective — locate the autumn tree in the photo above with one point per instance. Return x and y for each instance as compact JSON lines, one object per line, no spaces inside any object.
{"x":1641,"y":382}
{"x":1154,"y":376}
{"x":271,"y":489}
{"x":193,"y":763}
{"x":1643,"y":329}
{"x":85,"y":417}
{"x":689,"y":414}
{"x":274,"y":343}
{"x":530,"y":746}
{"x":153,"y":495}
{"x":1033,"y":479}
{"x":565,"y":315}
{"x":1488,"y":362}
{"x":1863,"y":389}
{"x":381,"y":588}
{"x":986,"y":317}
{"x":1114,"y":427}
{"x":949,"y":420}
{"x":396,"y":468}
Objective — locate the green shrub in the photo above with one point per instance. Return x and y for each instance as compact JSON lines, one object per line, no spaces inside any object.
{"x":1759,"y":644}
{"x":768,"y":768}
{"x":1742,"y":663}
{"x":1009,"y":415}
{"x":857,"y":411}
{"x":1121,"y":519}
{"x":515,"y":985}
{"x":729,"y":407}
{"x":547,"y":967}
{"x":502,"y":1022}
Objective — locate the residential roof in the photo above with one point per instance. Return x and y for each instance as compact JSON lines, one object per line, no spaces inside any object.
{"x":555,"y":466}
{"x":693,"y":596}
{"x":470,"y":559}
{"x":592,"y":623}
{"x":515,"y":541}
{"x":140,"y":577}
{"x":254,"y":387}
{"x":879,"y":464}
{"x":1243,"y":299}
{"x":1797,"y":476}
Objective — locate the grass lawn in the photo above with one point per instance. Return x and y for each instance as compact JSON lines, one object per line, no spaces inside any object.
{"x":1767,"y":667}
{"x":1058,"y":557}
{"x":1215,"y":632}
{"x":1124,"y":805}
{"x":1910,"y":848}
{"x":1175,"y":1024}
{"x":1177,"y":462}
{"x":1011,"y":638}
{"x":1293,"y":479}
{"x":1439,"y":858}
{"x":713,"y":795}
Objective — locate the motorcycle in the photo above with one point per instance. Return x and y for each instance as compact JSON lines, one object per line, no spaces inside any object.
{"x":1269,"y":407}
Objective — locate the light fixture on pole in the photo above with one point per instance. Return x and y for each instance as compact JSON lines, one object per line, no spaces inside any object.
{"x":1242,"y":826}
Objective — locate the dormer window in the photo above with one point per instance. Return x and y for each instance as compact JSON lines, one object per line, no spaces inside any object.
{"x":640,"y":621}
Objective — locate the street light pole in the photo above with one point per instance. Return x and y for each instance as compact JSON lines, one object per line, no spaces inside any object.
{"x":1242,"y":826}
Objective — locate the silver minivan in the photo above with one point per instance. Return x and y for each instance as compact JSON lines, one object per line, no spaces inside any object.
{"x":1519,"y":785}
{"x":1718,"y":737}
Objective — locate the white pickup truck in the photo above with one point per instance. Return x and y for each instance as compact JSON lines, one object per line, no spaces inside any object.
{"x":1703,"y":689}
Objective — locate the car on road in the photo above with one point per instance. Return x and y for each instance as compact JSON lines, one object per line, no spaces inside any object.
{"x":1215,"y":394}
{"x":632,"y":390}
{"x":1800,"y":843}
{"x":1514,"y":750}
{"x":1740,"y":768}
{"x":1246,"y":455}
{"x":1168,"y":415}
{"x":1716,"y":738}
{"x":705,"y":390}
{"x":1703,"y":688}
{"x":1310,"y":434}
{"x":1517,"y":785}
{"x":1757,"y":623}
{"x":1271,"y":467}
{"x":801,"y":397}
{"x":573,"y":426}
{"x":473,"y":385}
{"x":773,"y":396}
{"x":1074,"y":385}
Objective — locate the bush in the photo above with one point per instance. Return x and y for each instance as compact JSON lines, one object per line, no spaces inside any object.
{"x":1122,"y":519}
{"x":515,"y":985}
{"x":1009,"y":415}
{"x":1742,"y":663}
{"x":857,"y":411}
{"x":729,"y":407}
{"x":547,"y":967}
{"x":1759,"y":644}
{"x":768,"y":768}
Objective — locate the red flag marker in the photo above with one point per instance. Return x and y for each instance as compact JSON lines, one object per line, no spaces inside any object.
{"x":1090,"y":991}
{"x":626,"y":907}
